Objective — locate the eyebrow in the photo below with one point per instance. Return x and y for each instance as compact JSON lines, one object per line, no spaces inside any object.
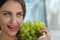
{"x":7,"y":11}
{"x":12,"y":12}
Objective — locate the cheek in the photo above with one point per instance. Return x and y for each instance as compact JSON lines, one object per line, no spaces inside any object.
{"x":20,"y":20}
{"x":4,"y":21}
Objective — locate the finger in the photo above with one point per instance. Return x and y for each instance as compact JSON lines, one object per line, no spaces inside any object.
{"x":45,"y":30}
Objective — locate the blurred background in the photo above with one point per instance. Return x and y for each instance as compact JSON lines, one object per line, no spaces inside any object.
{"x":47,"y":11}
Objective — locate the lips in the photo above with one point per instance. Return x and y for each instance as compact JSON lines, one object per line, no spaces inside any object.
{"x":12,"y":27}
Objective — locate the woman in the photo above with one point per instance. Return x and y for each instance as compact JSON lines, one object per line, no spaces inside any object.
{"x":12,"y":13}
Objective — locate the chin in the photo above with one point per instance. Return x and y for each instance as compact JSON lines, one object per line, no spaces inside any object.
{"x":12,"y":33}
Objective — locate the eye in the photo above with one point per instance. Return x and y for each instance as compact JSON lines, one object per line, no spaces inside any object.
{"x":7,"y":14}
{"x":19,"y":14}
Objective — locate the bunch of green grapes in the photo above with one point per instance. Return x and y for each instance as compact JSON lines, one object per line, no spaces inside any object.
{"x":30,"y":31}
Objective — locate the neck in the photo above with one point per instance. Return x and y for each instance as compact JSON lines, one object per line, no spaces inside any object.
{"x":4,"y":36}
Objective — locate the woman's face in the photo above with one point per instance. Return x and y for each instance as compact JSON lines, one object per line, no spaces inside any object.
{"x":11,"y":17}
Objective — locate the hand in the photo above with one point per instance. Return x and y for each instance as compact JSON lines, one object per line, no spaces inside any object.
{"x":47,"y":34}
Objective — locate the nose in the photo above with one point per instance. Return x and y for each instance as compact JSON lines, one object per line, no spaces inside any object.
{"x":13,"y":20}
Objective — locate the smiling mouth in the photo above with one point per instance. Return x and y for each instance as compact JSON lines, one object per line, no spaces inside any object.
{"x":12,"y":28}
